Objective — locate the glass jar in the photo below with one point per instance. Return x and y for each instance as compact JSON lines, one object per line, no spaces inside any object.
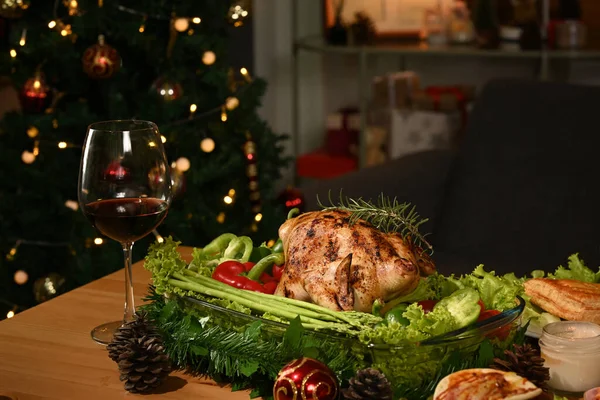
{"x":571,"y":351}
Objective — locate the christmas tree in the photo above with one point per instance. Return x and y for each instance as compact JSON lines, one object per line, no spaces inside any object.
{"x":75,"y":62}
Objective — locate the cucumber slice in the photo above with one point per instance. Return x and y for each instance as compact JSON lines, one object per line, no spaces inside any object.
{"x":462,"y":305}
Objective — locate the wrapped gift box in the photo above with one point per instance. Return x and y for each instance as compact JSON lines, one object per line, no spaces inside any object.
{"x":320,"y":165}
{"x":343,"y":130}
{"x":412,"y":131}
{"x":394,"y":90}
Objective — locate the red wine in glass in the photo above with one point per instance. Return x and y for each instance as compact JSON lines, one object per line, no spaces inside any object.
{"x":126,"y":220}
{"x":125,"y":192}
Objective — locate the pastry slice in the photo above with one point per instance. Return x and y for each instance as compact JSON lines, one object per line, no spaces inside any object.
{"x":485,"y":384}
{"x":568,"y":299}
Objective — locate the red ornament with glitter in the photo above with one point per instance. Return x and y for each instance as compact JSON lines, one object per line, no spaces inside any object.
{"x":101,"y":61}
{"x":35,"y":95}
{"x":306,"y":378}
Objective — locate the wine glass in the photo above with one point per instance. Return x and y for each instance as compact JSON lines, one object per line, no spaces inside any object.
{"x":124,"y":190}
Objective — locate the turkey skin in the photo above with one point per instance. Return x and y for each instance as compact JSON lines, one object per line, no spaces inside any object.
{"x":344,"y":266}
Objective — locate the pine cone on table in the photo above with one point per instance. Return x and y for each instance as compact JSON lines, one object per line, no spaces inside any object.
{"x":525,"y":361}
{"x":368,"y":384}
{"x":138,"y":350}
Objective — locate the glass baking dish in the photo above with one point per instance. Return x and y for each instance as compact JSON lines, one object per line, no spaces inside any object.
{"x":397,"y":361}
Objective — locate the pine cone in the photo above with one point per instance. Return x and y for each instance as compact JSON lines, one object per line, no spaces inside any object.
{"x":367,"y":384}
{"x":138,"y":350}
{"x":525,"y":361}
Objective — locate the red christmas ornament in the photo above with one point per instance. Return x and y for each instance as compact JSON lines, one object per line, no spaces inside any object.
{"x":306,"y":378}
{"x":101,"y":61}
{"x":292,"y":198}
{"x":115,"y":172}
{"x":35,"y":95}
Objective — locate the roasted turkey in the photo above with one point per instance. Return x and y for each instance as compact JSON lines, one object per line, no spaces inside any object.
{"x":344,"y":266}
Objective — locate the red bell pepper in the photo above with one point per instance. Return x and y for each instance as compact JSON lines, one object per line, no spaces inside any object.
{"x":230,"y":273}
{"x":278,"y":272}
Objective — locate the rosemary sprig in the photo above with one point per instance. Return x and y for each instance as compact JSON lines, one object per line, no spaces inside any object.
{"x":387,"y":215}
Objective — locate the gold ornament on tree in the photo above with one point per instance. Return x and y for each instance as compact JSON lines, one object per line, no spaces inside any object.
{"x":101,"y":61}
{"x":13,"y":8}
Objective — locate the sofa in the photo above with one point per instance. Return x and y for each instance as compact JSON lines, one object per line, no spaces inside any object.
{"x":522,"y":192}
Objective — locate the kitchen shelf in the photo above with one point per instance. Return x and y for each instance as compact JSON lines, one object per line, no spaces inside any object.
{"x":412,"y":48}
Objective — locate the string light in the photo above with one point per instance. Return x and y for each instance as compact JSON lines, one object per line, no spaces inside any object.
{"x":21,"y":277}
{"x":221,"y":217}
{"x":258,"y":217}
{"x":151,"y":144}
{"x":227,"y":200}
{"x":55,"y":123}
{"x":23,"y":37}
{"x":181,"y":24}
{"x":163,"y":139}
{"x":62,"y":145}
{"x":72,"y":204}
{"x":52,"y":24}
{"x":36,"y":148}
{"x":143,"y":25}
{"x":158,"y":237}
{"x":32,"y":132}
{"x":10,"y":314}
{"x":209,"y":57}
{"x":13,"y":252}
{"x":223,"y":114}
{"x":27,"y":157}
{"x":182,"y":164}
{"x":270,"y":243}
{"x":245,"y":74}
{"x":13,"y":53}
{"x":231,"y":103}
{"x":98,"y":241}
{"x":196,"y":20}
{"x":190,"y":32}
{"x":207,"y":145}
{"x":193,"y":108}
{"x":231,"y":192}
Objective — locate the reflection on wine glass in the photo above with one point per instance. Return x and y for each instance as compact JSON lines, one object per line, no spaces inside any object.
{"x":124,"y":190}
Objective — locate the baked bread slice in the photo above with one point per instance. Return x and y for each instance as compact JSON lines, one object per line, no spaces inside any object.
{"x":568,"y":299}
{"x":485,"y":384}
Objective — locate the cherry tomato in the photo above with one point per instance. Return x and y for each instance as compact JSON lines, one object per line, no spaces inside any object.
{"x":481,"y":306}
{"x":278,"y":271}
{"x":248,"y":266}
{"x":427,"y":305}
{"x":270,"y":287}
{"x":500,"y":333}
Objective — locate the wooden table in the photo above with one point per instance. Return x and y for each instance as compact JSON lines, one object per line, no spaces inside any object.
{"x":46,"y":352}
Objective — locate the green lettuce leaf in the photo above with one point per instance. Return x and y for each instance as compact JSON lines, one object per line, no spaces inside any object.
{"x":434,"y":287}
{"x":200,"y":264}
{"x":576,"y":270}
{"x":497,"y":292}
{"x":163,"y":260}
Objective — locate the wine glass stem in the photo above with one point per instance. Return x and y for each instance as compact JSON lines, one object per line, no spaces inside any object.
{"x":129,"y":303}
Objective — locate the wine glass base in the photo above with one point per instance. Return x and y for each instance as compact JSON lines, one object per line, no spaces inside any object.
{"x":103,"y":334}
